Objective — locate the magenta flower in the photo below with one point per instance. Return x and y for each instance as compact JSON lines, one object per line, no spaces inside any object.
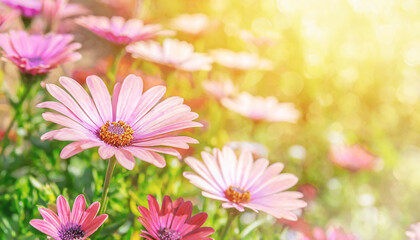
{"x":131,"y":124}
{"x":38,"y":54}
{"x":331,"y":234}
{"x":242,"y":183}
{"x":413,"y":232}
{"x":173,"y":221}
{"x":262,"y":109}
{"x":79,"y":223}
{"x":353,"y":158}
{"x":28,"y":8}
{"x":172,"y":53}
{"x":119,"y":31}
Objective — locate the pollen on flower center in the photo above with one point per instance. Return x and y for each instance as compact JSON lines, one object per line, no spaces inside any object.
{"x":237,"y":195}
{"x":168,"y":234}
{"x":117,"y":134}
{"x":71,"y":231}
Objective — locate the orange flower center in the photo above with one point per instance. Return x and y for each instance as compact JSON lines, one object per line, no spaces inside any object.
{"x":117,"y":134}
{"x":237,"y":195}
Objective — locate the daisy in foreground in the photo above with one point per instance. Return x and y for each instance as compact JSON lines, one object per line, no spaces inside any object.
{"x":172,"y":53}
{"x":413,"y":232}
{"x":242,"y":183}
{"x":38,"y":54}
{"x":79,"y":223}
{"x":119,"y":31}
{"x":173,"y":221}
{"x":262,"y":109}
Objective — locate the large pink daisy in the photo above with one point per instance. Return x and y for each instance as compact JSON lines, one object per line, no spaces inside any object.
{"x":242,"y":183}
{"x":173,"y":221}
{"x":38,"y":54}
{"x":119,"y":31}
{"x":132,"y":124}
{"x":172,"y":53}
{"x":28,"y":8}
{"x":79,"y":223}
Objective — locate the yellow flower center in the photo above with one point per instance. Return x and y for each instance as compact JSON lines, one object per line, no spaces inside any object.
{"x":237,"y":195}
{"x":117,"y":134}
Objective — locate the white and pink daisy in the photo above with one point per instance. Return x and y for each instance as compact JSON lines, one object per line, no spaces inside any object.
{"x":413,"y":232}
{"x":240,"y":60}
{"x":242,"y":183}
{"x":38,"y":54}
{"x":219,"y":89}
{"x":353,"y":158}
{"x":119,"y":31}
{"x":172,"y":221}
{"x":28,"y":8}
{"x":194,"y":24}
{"x":131,"y":124}
{"x":55,"y":10}
{"x":78,"y":223}
{"x":262,"y":109}
{"x":172,"y":53}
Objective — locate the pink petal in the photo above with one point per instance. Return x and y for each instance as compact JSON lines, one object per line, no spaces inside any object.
{"x":101,"y":97}
{"x":63,"y":210}
{"x":44,"y":227}
{"x":94,"y":225}
{"x":78,"y":209}
{"x":125,"y":158}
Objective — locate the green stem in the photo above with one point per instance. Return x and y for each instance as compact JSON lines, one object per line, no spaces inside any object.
{"x":109,"y":170}
{"x":112,"y":75}
{"x":232,"y":214}
{"x":18,"y":111}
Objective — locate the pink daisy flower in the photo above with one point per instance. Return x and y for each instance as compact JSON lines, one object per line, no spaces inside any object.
{"x":132,"y":124}
{"x":194,"y":24}
{"x":413,"y":232}
{"x":219,"y":89}
{"x":331,"y":234}
{"x":38,"y":54}
{"x":242,"y":183}
{"x":28,"y":8}
{"x":78,"y":223}
{"x":173,"y":221}
{"x":54,"y":10}
{"x":353,"y":158}
{"x":262,"y":109}
{"x":172,"y":53}
{"x":240,"y":60}
{"x":119,"y":31}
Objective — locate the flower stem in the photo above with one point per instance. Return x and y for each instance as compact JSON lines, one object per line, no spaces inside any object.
{"x":232,"y":214}
{"x":112,"y":75}
{"x":109,"y":170}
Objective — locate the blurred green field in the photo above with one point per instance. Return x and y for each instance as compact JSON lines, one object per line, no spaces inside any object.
{"x":350,"y":67}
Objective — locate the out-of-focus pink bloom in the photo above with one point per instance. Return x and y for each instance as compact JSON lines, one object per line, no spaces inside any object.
{"x":258,"y":150}
{"x":130,"y":125}
{"x":242,"y":183}
{"x":309,"y":191}
{"x":55,"y":10}
{"x":331,"y":234}
{"x":353,"y":158}
{"x":119,"y":31}
{"x":78,"y":223}
{"x":193,"y":24}
{"x":240,"y":60}
{"x":172,"y":221}
{"x":258,"y":41}
{"x":28,"y":8}
{"x":38,"y":54}
{"x":262,"y":109}
{"x":172,"y":53}
{"x":300,"y":226}
{"x":6,"y":18}
{"x":219,"y":89}
{"x":413,"y":232}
